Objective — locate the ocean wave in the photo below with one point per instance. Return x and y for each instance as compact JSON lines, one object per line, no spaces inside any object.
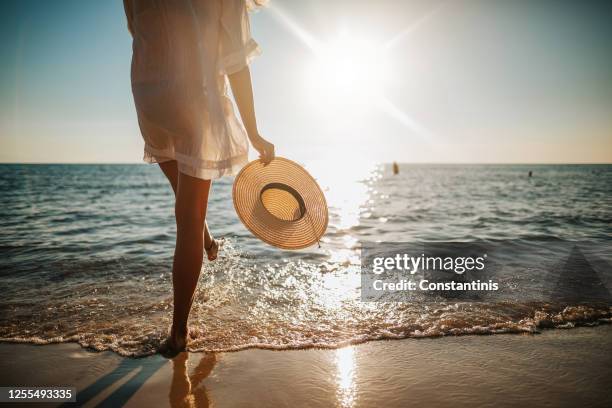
{"x":144,"y":345}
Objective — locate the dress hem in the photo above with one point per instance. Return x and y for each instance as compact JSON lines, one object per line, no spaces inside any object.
{"x":205,"y":170}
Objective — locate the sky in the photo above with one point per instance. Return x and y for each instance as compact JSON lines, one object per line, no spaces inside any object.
{"x":455,"y":81}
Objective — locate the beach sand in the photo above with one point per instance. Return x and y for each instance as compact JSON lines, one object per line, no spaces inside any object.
{"x":556,"y":368}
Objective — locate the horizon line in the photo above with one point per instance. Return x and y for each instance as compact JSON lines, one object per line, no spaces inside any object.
{"x":375,"y":162}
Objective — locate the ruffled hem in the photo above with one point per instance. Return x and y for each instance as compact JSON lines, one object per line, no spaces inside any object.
{"x":202,"y":169}
{"x":236,"y":61}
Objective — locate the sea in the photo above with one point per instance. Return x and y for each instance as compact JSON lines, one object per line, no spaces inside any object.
{"x":86,"y":255}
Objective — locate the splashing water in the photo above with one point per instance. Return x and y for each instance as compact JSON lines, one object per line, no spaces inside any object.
{"x":87,"y":254}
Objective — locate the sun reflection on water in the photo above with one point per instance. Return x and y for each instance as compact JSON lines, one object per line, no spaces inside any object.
{"x":347,"y":253}
{"x":339,"y":287}
{"x":345,"y":190}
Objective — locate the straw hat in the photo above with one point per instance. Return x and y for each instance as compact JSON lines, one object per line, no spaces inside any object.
{"x":280,"y":203}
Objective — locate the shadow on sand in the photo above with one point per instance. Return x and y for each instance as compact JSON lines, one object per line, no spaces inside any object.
{"x":131,"y":374}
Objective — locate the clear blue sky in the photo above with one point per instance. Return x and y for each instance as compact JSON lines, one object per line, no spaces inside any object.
{"x":462,"y":81}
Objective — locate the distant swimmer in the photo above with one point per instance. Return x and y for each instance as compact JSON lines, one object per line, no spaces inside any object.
{"x":530,"y":173}
{"x":395,"y":168}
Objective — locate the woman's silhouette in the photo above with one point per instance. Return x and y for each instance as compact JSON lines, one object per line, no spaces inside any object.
{"x":184,"y":51}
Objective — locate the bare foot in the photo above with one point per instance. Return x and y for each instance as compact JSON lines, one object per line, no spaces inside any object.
{"x":213,"y":250}
{"x":174,"y":344}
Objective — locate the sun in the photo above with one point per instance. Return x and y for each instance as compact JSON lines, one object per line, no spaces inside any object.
{"x":348,"y":70}
{"x":347,"y":75}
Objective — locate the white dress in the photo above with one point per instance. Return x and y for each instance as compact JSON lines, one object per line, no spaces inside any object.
{"x":182,"y":52}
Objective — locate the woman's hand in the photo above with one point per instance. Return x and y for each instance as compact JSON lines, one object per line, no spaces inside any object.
{"x":265,"y":148}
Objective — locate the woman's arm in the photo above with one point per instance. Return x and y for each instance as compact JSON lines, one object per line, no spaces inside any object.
{"x":242,"y":89}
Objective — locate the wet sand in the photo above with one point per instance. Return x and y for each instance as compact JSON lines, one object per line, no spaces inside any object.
{"x":556,"y":368}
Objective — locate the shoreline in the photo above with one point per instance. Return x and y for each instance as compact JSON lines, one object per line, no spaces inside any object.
{"x":553,"y":368}
{"x":475,"y":331}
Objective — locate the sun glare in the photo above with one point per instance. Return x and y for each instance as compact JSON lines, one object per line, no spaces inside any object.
{"x":348,"y":70}
{"x":347,"y":75}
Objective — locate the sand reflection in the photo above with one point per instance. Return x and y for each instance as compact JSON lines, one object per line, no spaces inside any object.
{"x":345,"y":376}
{"x":187,"y":390}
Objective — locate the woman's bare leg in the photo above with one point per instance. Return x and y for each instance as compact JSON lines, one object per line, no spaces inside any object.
{"x":190,"y":212}
{"x":170,"y":169}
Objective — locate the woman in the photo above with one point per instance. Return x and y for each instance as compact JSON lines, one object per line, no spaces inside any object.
{"x":183,"y":51}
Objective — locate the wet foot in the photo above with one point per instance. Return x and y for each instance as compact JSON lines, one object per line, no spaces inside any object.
{"x":173,"y":345}
{"x":213,"y":250}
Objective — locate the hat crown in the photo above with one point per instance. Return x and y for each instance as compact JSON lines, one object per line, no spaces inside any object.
{"x":282,"y":201}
